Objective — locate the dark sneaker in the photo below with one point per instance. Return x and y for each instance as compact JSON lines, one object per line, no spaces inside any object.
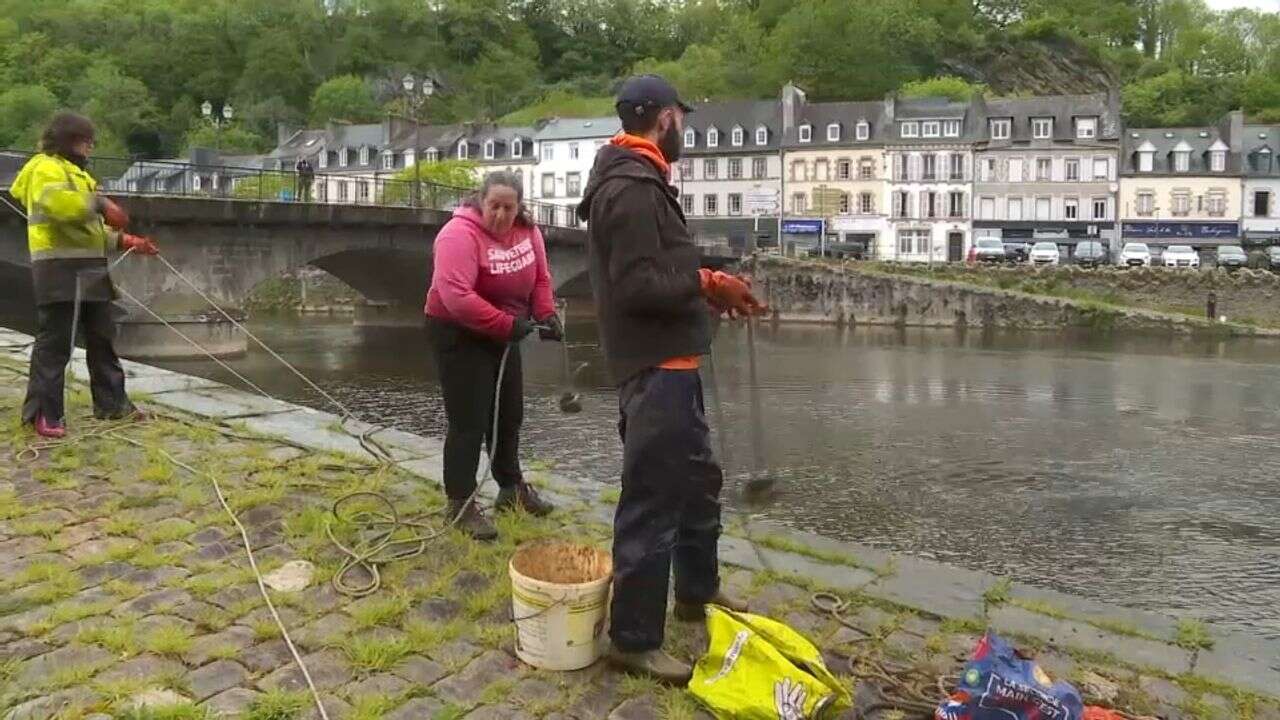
{"x":130,"y":414}
{"x":472,"y":521}
{"x":654,"y":664}
{"x":522,"y":497}
{"x":694,"y":612}
{"x":49,"y":429}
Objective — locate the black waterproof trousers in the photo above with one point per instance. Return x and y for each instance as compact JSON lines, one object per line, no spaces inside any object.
{"x":468,"y":367}
{"x":52,"y":350}
{"x":669,"y":511}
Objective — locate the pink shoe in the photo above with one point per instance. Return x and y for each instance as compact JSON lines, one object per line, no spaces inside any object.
{"x":47,"y":429}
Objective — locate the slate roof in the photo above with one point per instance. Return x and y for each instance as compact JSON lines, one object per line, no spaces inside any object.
{"x":845,"y":114}
{"x":575,"y":128}
{"x":503,"y":139}
{"x":1164,"y":140}
{"x":749,"y":114}
{"x":1062,"y":108}
{"x":972,"y":127}
{"x":1255,"y":161}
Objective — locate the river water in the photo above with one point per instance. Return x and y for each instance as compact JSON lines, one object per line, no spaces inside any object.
{"x":1142,"y":472}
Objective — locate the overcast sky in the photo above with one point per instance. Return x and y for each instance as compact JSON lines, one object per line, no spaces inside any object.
{"x":1272,"y":5}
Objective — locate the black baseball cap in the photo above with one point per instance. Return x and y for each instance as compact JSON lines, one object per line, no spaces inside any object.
{"x":649,"y":91}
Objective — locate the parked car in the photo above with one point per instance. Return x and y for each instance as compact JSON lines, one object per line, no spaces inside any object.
{"x":1045,"y":253}
{"x":1090,"y":253}
{"x":1181,"y":256}
{"x":1135,"y":255}
{"x":1016,"y":252}
{"x":1232,"y":257}
{"x":988,"y":250}
{"x":1273,"y":258}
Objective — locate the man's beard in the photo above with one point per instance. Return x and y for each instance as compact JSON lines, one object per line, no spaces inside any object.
{"x":669,"y":144}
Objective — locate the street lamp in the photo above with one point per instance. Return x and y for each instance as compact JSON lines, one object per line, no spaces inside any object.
{"x":206,"y":109}
{"x":415,"y":106}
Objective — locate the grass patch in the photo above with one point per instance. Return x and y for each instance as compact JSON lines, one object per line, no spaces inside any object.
{"x":371,"y":654}
{"x":121,"y":525}
{"x":168,"y":640}
{"x":167,"y":531}
{"x":962,"y":626}
{"x":496,"y":691}
{"x":278,"y":705}
{"x":38,"y":528}
{"x":998,"y":594}
{"x":68,"y":677}
{"x":1193,"y":635}
{"x":72,"y":612}
{"x":425,"y":637}
{"x":371,"y":707}
{"x":611,"y":496}
{"x":678,"y":704}
{"x":495,"y":637}
{"x":122,"y":589}
{"x":181,"y":711}
{"x":380,"y":611}
{"x":264,"y":630}
{"x":631,"y":686}
{"x":120,"y":640}
{"x":11,"y":507}
{"x":487,"y":601}
{"x":786,"y":544}
{"x":450,"y":712}
{"x":39,"y":572}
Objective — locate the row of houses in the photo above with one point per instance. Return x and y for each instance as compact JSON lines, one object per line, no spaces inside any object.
{"x":916,"y":179}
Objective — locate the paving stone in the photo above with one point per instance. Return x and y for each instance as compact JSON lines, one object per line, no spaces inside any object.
{"x":1242,"y":663}
{"x":1067,"y":633}
{"x":335,"y":707}
{"x":470,"y":582}
{"x":932,"y":587}
{"x":458,"y":652}
{"x":266,"y":656}
{"x":260,"y":515}
{"x":205,"y":647}
{"x":148,"y":578}
{"x":806,"y":623}
{"x":232,"y":703}
{"x":434,"y":610}
{"x":290,"y":617}
{"x":382,"y":684}
{"x":467,"y":685}
{"x":419,"y":670}
{"x":143,"y":667}
{"x":215,"y":551}
{"x":175,"y":548}
{"x":234,"y":595}
{"x":21,"y":547}
{"x":154,"y":602}
{"x":291,"y":577}
{"x":156,"y":698}
{"x":1058,"y":665}
{"x":72,"y":656}
{"x":97,"y":574}
{"x":75,"y":535}
{"x":207,"y":536}
{"x":499,"y":712}
{"x":322,"y":598}
{"x":417,"y":709}
{"x":326,"y":630}
{"x":533,"y":690}
{"x":59,"y":704}
{"x":23,"y":649}
{"x":776,"y":594}
{"x":196,"y":611}
{"x":329,"y":670}
{"x":637,"y":708}
{"x":907,"y":645}
{"x":216,"y":677}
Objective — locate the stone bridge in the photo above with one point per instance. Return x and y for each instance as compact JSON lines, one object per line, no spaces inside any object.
{"x":227,"y":247}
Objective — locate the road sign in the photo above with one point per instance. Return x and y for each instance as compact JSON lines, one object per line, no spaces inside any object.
{"x":761,"y":200}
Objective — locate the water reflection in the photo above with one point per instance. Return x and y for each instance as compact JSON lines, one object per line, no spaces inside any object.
{"x":1139,"y":471}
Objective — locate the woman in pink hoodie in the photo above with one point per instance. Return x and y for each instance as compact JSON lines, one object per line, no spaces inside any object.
{"x":490,"y":279}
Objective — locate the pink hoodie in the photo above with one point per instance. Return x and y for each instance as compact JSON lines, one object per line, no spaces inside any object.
{"x":482,"y":282}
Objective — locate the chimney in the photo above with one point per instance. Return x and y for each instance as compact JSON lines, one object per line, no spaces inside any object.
{"x":793,"y":99}
{"x":1235,"y":120}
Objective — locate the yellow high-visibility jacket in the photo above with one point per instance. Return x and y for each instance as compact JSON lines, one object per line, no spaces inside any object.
{"x":62,"y":210}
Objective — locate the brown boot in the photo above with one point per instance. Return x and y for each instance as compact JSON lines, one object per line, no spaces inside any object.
{"x":523,"y":497}
{"x":654,"y":664}
{"x":695,"y":612}
{"x":471,"y":521}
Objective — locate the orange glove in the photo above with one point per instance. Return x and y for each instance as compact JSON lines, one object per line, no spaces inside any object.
{"x":138,"y":244}
{"x":112,"y":214}
{"x":730,"y":294}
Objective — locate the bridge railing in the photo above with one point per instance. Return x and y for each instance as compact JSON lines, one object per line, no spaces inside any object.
{"x":168,"y":178}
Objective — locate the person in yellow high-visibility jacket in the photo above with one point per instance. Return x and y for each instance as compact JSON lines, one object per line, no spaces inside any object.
{"x":70,"y":229}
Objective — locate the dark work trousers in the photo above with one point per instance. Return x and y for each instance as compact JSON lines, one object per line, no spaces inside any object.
{"x":52,"y":350}
{"x":468,"y":368}
{"x":669,"y":509}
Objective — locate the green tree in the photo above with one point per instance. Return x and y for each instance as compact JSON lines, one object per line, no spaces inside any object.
{"x":947,"y":86}
{"x":345,"y":97}
{"x":119,"y":104}
{"x":701,"y":73}
{"x":439,"y":183}
{"x":229,"y":139}
{"x":24,"y":110}
{"x":275,"y":67}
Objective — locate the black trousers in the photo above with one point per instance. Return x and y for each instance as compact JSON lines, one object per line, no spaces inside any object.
{"x":52,"y":350}
{"x":669,"y":510}
{"x":468,"y":368}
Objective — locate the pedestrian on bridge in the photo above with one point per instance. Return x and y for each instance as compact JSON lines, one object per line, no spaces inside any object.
{"x":70,"y":229}
{"x":306,"y":178}
{"x":489,"y":284}
{"x":654,"y":305}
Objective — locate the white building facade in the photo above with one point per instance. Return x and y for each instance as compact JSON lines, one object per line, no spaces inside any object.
{"x":1260,"y":147}
{"x":929,"y":153}
{"x":566,"y":151}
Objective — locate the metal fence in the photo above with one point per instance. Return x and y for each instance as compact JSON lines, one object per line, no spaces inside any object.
{"x":168,"y":178}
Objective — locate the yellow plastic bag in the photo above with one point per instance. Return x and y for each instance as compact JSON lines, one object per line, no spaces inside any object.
{"x":759,"y":669}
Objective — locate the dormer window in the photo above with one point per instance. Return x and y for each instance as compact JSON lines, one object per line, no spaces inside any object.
{"x":931,"y":129}
{"x":951,"y":128}
{"x":833,"y":132}
{"x":1181,"y":161}
{"x":713,"y":137}
{"x":463,"y":151}
{"x":1000,"y":128}
{"x":737,"y":137}
{"x":364,"y":156}
{"x":910,"y":129}
{"x":863,"y":130}
{"x":1218,"y":156}
{"x":1041,"y":128}
{"x":409,"y":158}
{"x":342,"y":157}
{"x":517,"y":148}
{"x":324,"y":158}
{"x":762,"y":135}
{"x":433,"y":155}
{"x":806,"y":133}
{"x":1086,"y":128}
{"x":488,"y":150}
{"x":388,"y":160}
{"x":689,"y":138}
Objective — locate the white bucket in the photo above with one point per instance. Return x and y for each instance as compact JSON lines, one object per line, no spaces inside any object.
{"x":560,"y":625}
